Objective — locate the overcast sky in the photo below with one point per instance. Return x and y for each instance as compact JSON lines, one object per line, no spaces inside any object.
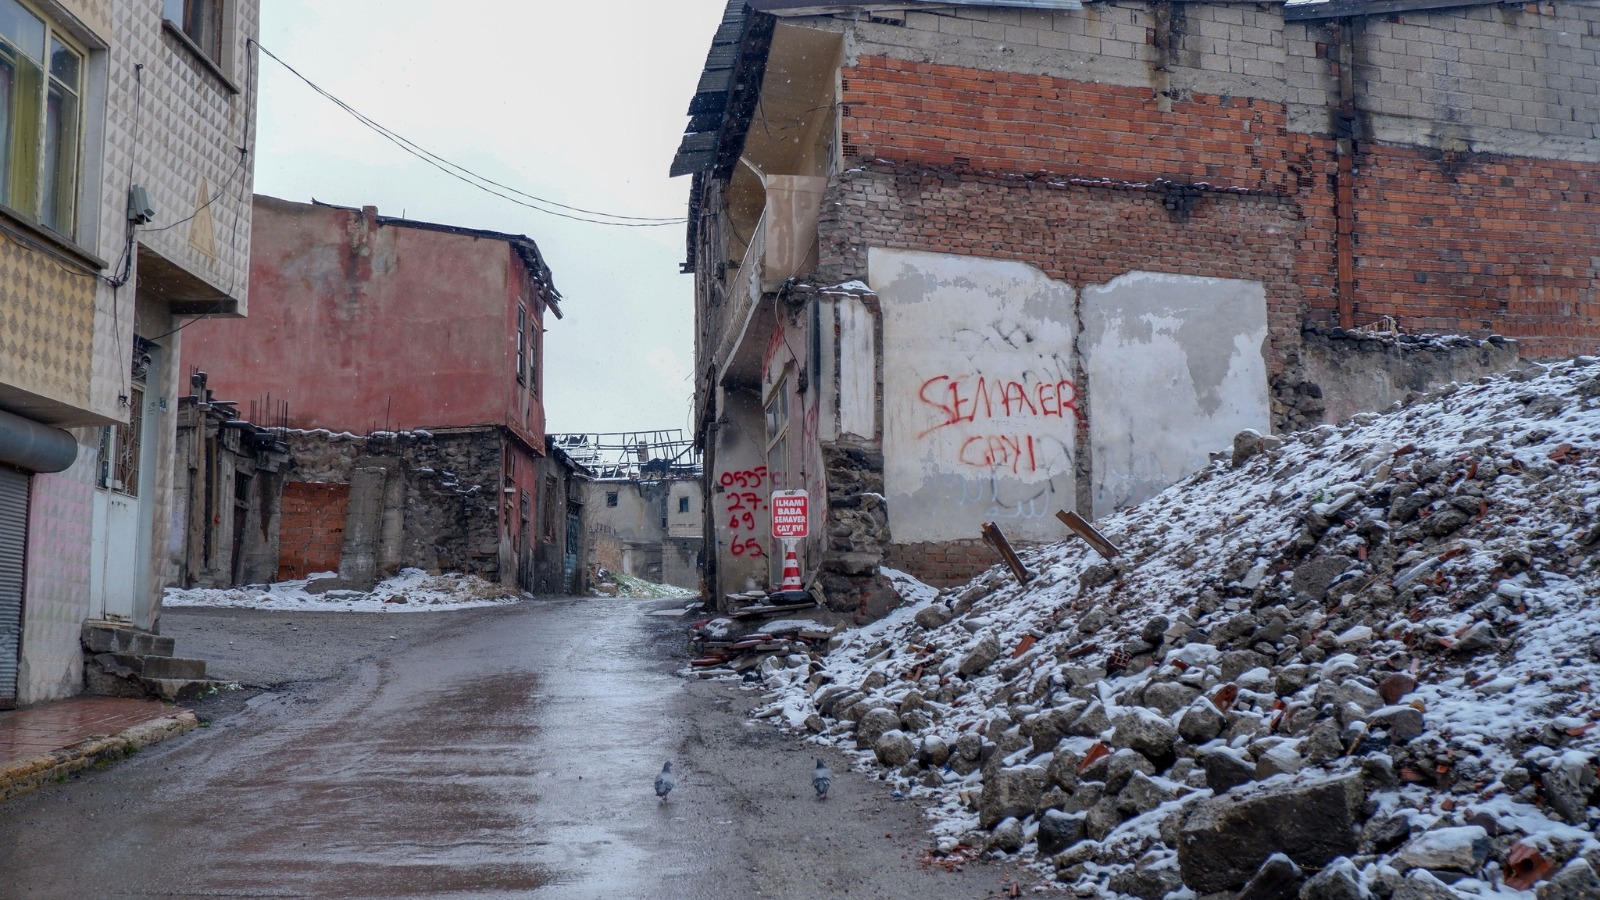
{"x":577,"y":102}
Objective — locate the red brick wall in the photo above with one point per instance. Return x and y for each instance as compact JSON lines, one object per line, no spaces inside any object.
{"x":1482,"y":243}
{"x":1077,"y":233}
{"x":943,"y":115}
{"x":311,"y":528}
{"x":1005,"y":165}
{"x":943,"y":564}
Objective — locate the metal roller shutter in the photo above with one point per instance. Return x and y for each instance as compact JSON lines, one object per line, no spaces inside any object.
{"x":13,"y":551}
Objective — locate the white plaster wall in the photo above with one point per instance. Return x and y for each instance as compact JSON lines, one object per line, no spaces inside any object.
{"x":979,"y":399}
{"x":1176,"y":367}
{"x":858,"y":381}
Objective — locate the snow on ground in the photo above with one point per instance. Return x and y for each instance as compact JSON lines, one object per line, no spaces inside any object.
{"x":1458,"y":544}
{"x":638,"y":588}
{"x":412,"y":590}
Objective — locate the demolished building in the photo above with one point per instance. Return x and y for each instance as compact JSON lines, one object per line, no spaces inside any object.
{"x":960,"y":263}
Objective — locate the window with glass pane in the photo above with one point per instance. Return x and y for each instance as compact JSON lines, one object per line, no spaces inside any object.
{"x":58,"y":207}
{"x":23,"y":38}
{"x":522,"y":347}
{"x":41,"y":83}
{"x":120,"y":450}
{"x":201,"y":21}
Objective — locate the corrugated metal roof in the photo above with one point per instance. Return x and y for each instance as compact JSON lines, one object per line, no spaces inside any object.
{"x":780,"y":7}
{"x":1334,"y":9}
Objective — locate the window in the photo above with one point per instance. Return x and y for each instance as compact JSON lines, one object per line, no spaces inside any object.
{"x":41,"y":86}
{"x":683,"y":504}
{"x":533,"y":359}
{"x":611,"y":498}
{"x":550,"y":488}
{"x":200,"y":21}
{"x":120,"y":451}
{"x":522,"y":344}
{"x":777,"y":423}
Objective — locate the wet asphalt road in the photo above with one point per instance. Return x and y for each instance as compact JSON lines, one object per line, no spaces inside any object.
{"x":500,"y":752}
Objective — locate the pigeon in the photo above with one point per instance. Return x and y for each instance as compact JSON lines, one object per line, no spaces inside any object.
{"x":821,"y":779}
{"x":665,"y":782}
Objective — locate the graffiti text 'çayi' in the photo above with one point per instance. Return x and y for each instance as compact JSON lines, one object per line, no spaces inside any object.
{"x":999,"y":451}
{"x":971,"y":398}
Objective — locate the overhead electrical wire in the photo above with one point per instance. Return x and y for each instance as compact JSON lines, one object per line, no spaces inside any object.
{"x":482,"y":183}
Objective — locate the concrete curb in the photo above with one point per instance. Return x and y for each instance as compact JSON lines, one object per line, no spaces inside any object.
{"x":25,"y":775}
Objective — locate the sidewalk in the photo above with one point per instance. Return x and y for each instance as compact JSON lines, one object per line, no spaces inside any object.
{"x":47,"y":742}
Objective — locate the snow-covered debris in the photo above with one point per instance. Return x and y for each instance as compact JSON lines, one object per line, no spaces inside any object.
{"x":411,"y":590}
{"x":1389,"y":629}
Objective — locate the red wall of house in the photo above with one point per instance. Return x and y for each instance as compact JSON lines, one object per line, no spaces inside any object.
{"x":1457,"y":243}
{"x":362,"y":326}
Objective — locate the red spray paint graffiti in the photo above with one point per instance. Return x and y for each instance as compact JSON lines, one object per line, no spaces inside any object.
{"x":743,"y":508}
{"x":970,"y":398}
{"x":963,"y":399}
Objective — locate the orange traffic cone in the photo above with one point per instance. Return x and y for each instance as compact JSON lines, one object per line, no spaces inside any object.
{"x":792,"y":585}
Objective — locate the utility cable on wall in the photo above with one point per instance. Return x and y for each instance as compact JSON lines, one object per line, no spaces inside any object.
{"x":483,"y":183}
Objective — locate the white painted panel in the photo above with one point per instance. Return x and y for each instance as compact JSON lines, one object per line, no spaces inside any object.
{"x":829,"y":371}
{"x":1176,"y":368}
{"x":858,"y":388}
{"x":979,"y":399}
{"x":113,"y":575}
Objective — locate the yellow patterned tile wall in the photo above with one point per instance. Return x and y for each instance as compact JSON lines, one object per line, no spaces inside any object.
{"x":46,"y":326}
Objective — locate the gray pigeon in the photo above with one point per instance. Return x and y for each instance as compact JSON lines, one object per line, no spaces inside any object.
{"x":665,"y":782}
{"x":821,"y":779}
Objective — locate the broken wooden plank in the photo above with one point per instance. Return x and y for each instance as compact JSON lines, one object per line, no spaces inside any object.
{"x":1081,"y":527}
{"x":997,"y":539}
{"x":769,"y":610}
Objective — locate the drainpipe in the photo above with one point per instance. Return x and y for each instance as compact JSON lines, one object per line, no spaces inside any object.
{"x":1344,"y":182}
{"x":35,"y":446}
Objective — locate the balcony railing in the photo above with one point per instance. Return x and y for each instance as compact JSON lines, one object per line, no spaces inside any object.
{"x":743,"y":294}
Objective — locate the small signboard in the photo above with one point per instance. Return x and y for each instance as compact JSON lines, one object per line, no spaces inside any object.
{"x":789,"y":514}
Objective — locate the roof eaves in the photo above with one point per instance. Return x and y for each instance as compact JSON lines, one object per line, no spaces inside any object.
{"x":526,"y":249}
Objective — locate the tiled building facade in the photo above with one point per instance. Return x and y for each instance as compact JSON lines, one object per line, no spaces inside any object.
{"x":148,"y":101}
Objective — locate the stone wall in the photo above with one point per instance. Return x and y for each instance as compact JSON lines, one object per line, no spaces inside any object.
{"x":441,"y":505}
{"x":1339,"y":373}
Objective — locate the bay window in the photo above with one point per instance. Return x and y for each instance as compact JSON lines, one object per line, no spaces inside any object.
{"x":41,"y":114}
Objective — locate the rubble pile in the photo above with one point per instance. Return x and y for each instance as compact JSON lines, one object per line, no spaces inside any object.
{"x":717,"y":645}
{"x":1357,"y":661}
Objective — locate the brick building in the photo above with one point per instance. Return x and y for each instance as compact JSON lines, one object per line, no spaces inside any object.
{"x":126,"y":164}
{"x":401,"y":364}
{"x":981,"y":261}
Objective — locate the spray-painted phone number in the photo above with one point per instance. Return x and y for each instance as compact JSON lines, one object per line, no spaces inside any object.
{"x":742,"y":507}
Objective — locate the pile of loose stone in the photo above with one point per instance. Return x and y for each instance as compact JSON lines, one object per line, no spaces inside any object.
{"x":1354,"y":662}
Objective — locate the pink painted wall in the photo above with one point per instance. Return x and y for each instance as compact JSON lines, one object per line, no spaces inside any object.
{"x":56,"y":598}
{"x":358,"y":323}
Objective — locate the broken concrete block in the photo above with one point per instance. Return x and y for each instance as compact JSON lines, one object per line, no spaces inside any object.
{"x":1461,"y":848}
{"x":1224,"y":840}
{"x":1013,"y":792}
